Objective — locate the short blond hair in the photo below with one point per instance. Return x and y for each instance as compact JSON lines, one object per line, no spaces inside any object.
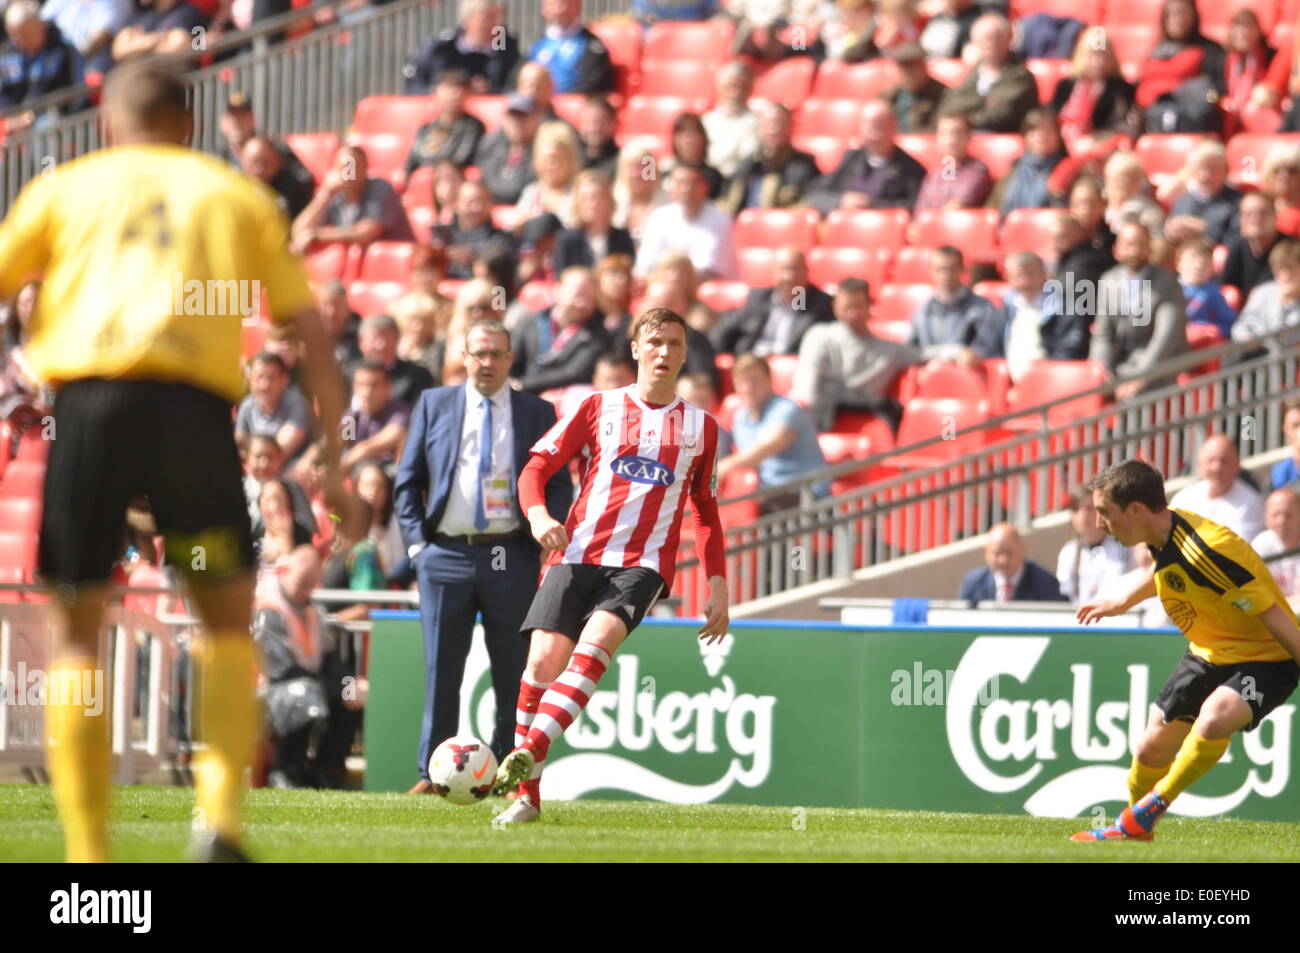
{"x":557,"y":135}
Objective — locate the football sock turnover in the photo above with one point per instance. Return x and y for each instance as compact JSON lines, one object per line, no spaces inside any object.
{"x":227,"y":664}
{"x":1195,"y":758}
{"x":530,"y":697}
{"x":77,"y":752}
{"x":1142,"y":778}
{"x":568,"y":695}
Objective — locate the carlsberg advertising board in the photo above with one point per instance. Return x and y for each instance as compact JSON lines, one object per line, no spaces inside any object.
{"x":1036,"y":722}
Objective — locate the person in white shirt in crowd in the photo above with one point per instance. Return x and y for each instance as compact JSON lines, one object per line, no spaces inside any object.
{"x":1220,"y":494}
{"x":690,"y":223}
{"x":1282,"y":517}
{"x":732,"y":126}
{"x":1091,"y":562}
{"x":1152,"y":610}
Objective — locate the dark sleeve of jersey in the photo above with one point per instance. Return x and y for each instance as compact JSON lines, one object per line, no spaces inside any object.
{"x":595,"y":72}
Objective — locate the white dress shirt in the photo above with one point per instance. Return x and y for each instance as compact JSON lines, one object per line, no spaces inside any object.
{"x":1285,"y":571}
{"x":458,"y":517}
{"x":707,"y":239}
{"x":1241,"y":509}
{"x":1085,"y":575}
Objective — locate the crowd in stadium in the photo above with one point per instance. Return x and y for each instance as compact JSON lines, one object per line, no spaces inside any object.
{"x":943,"y":174}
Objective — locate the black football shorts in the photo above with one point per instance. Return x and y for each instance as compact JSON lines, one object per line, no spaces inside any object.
{"x":171,"y":442}
{"x":571,"y":593}
{"x":1262,"y":685}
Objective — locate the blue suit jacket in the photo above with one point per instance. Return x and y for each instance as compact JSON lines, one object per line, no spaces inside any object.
{"x":428,"y":467}
{"x":1036,"y":585}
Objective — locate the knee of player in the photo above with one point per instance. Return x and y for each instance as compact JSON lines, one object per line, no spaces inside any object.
{"x":1223,"y":713}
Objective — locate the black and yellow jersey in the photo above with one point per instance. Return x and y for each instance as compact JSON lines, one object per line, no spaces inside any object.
{"x":151,"y":256}
{"x":1213,"y":586}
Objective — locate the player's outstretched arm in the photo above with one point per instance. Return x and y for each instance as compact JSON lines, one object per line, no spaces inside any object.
{"x":717,"y":611}
{"x":1101,"y":608}
{"x":1284,"y":629}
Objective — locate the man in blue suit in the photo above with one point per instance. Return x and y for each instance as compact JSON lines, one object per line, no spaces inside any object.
{"x":458,"y":506}
{"x":1009,"y":576}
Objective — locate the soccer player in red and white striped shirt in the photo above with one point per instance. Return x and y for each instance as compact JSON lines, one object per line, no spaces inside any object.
{"x":643,"y":454}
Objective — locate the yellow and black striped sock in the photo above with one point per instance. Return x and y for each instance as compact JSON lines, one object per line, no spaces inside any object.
{"x":1197,"y":756}
{"x":1142,"y":778}
{"x":227,"y":665}
{"x":78,"y":756}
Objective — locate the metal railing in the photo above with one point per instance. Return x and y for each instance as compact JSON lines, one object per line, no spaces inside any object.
{"x":1023,"y":468}
{"x":311,"y":83}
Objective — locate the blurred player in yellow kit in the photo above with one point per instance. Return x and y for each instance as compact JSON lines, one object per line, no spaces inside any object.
{"x":1244,"y":641}
{"x":146,"y":380}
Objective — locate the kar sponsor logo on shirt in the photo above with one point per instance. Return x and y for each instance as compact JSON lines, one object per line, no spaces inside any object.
{"x":642,"y":470}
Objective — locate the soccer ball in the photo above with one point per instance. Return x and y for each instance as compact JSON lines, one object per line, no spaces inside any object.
{"x":462,"y":769}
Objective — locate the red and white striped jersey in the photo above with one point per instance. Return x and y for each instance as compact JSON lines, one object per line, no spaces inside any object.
{"x":638,"y":465}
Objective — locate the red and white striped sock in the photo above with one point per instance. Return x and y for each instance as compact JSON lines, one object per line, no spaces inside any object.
{"x":530,"y":696}
{"x":565,"y":699}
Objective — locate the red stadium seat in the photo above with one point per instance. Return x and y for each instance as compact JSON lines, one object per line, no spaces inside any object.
{"x":18,"y":550}
{"x":369,"y":298}
{"x":32,"y":446}
{"x":623,"y":40}
{"x":998,"y":151}
{"x":655,"y":115}
{"x":921,"y":146}
{"x":827,"y":151}
{"x":315,"y":150}
{"x":868,"y":425}
{"x":839,"y":118}
{"x":486,"y":109}
{"x":788,"y":82}
{"x":386,"y":154}
{"x":24,"y":478}
{"x":894,"y":302}
{"x":387,"y":261}
{"x":992,"y":291}
{"x":842,"y":447}
{"x":1050,"y":380}
{"x":1047,"y":73}
{"x":537,"y":295}
{"x":724,"y":363}
{"x":1088,"y":11}
{"x":1232,"y":296}
{"x":1165,"y":153}
{"x":928,"y":417}
{"x":999,"y":382}
{"x":829,"y":266}
{"x":20,"y":514}
{"x":1028,"y":229}
{"x":756,"y":266}
{"x":973,"y":230}
{"x":709,"y":41}
{"x":866,"y":228}
{"x":505,"y":217}
{"x":783,"y":367}
{"x":1215,"y":17}
{"x":949,"y":72}
{"x":910,"y":266}
{"x":1247,"y":153}
{"x":1133,"y":42}
{"x":946,"y":379}
{"x":326,"y":262}
{"x":400,"y":115}
{"x":422,"y":219}
{"x":738,"y":482}
{"x":891,"y":330}
{"x":723,"y":295}
{"x":688,"y":79}
{"x":776,"y":228}
{"x":1200,"y":336}
{"x":568,"y":106}
{"x":419,"y":189}
{"x":727,"y":409}
{"x":251,"y":338}
{"x":860,"y":81}
{"x":1124,"y":12}
{"x":450,"y":287}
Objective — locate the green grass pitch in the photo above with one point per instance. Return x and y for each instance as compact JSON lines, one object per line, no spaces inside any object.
{"x":152,"y":824}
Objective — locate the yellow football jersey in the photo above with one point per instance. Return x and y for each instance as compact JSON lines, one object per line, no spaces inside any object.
{"x":1213,"y":586}
{"x":151,"y":256}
